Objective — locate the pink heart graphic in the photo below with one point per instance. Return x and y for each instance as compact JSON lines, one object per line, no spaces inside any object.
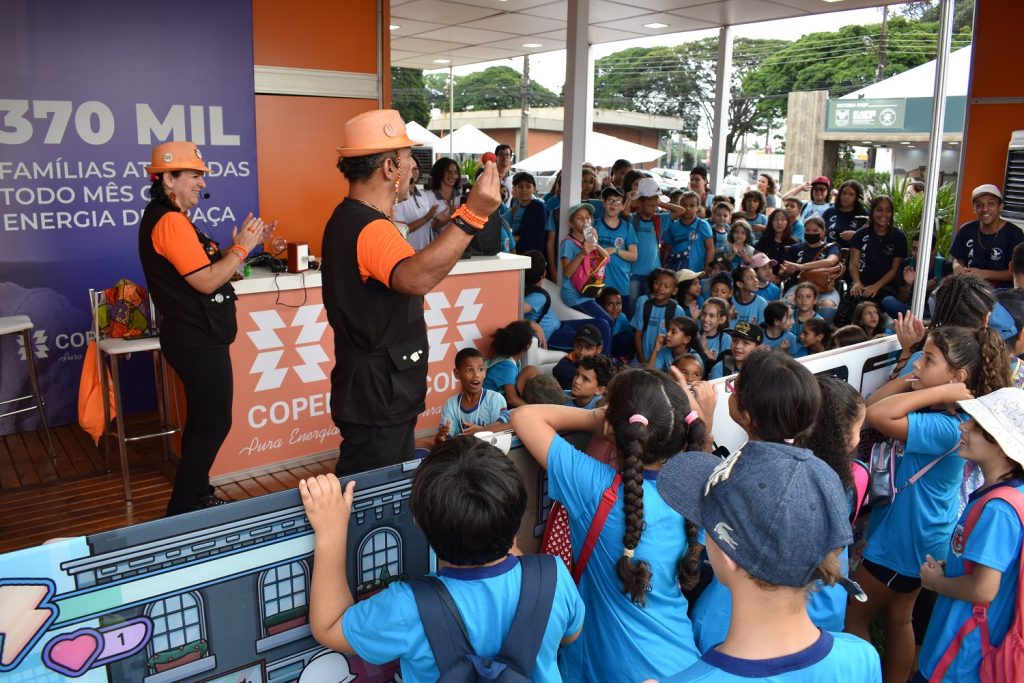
{"x":74,"y":653}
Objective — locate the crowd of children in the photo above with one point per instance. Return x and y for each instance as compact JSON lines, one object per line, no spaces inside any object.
{"x":693,"y":566}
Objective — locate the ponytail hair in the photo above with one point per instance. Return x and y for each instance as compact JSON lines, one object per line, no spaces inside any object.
{"x":962,"y":299}
{"x":647,"y":412}
{"x":981,"y":352}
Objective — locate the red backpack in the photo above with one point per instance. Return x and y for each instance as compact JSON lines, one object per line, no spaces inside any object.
{"x":1006,"y":662}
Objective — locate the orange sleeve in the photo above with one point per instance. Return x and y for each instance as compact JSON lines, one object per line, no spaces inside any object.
{"x":175,"y":239}
{"x":379,"y":249}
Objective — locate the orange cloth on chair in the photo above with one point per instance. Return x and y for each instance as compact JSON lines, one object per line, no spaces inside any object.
{"x":90,"y":400}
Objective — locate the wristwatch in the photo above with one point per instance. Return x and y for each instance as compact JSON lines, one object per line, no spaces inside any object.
{"x":464,"y":226}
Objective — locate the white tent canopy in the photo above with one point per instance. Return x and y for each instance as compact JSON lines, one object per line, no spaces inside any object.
{"x":602,"y":150}
{"x":920,"y":81}
{"x":418,"y":133}
{"x":467,"y":139}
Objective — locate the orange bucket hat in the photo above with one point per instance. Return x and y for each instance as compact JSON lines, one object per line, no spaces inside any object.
{"x":373,"y":132}
{"x":176,"y":156}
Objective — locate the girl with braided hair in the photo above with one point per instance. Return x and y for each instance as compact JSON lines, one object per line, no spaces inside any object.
{"x":642,"y":558}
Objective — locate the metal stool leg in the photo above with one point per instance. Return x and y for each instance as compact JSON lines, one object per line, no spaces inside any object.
{"x":162,"y":401}
{"x":105,"y":390}
{"x":30,"y":356}
{"x":119,"y":419}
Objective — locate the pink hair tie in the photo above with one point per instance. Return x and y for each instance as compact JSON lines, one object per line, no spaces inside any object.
{"x":638,"y":419}
{"x":690,"y":417}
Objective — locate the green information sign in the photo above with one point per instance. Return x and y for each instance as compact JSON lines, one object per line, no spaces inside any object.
{"x":866,"y":114}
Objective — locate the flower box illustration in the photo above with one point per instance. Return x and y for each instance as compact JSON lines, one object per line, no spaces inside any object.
{"x":286,"y":620}
{"x":179,"y":656}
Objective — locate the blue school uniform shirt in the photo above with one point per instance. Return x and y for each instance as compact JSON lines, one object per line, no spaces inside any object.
{"x":769,"y":292}
{"x":549,"y":323}
{"x":616,"y":273}
{"x":568,"y":250}
{"x":826,"y":607}
{"x":811,"y":209}
{"x":921,"y":518}
{"x":500,"y":371}
{"x":797,"y":230}
{"x":777,"y":342}
{"x":648,"y":257}
{"x":798,"y":349}
{"x":721,"y":239}
{"x":489,"y":409}
{"x":994,"y":542}
{"x":620,"y":324}
{"x":622,"y":641}
{"x":663,"y":361}
{"x":570,"y":400}
{"x":387,"y":626}
{"x":688,"y":239}
{"x":833,"y":658}
{"x":719,"y":342}
{"x":656,"y":324}
{"x":752,"y":311}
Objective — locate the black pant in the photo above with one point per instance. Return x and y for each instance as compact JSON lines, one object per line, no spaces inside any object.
{"x":369,"y":447}
{"x":205,"y":373}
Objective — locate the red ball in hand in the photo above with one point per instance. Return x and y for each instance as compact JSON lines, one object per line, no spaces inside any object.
{"x":489,"y":156}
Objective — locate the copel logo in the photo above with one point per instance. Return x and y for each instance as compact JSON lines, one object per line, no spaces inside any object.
{"x":38,"y":341}
{"x":435,"y":305}
{"x":271,"y":347}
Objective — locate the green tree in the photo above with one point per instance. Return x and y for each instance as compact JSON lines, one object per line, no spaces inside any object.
{"x":437,"y":90}
{"x":841,"y":61}
{"x":409,"y":95}
{"x":928,"y":10}
{"x":498,"y":87}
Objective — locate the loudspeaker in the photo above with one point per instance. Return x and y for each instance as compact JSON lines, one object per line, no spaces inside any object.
{"x":298,"y":257}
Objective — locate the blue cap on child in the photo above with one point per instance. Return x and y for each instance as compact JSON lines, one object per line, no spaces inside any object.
{"x":776,"y":510}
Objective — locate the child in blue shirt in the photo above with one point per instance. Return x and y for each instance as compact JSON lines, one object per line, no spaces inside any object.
{"x":714,"y":320}
{"x":721,"y":214}
{"x":637,"y":626}
{"x":746,"y":304}
{"x":919,"y":521}
{"x":778,"y":320}
{"x":805,"y":295}
{"x":593,"y":373}
{"x":504,"y":372}
{"x":678,"y":341}
{"x":993,"y":439}
{"x":691,"y":244}
{"x":649,"y":221}
{"x":770,"y":551}
{"x":610,"y":299}
{"x":618,"y":238}
{"x":473,"y":409}
{"x":662,"y":287}
{"x":483,"y":578}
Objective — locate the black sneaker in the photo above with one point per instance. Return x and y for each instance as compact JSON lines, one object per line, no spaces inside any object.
{"x":211,"y":501}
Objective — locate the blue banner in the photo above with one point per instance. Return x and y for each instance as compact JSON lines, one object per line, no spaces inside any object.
{"x":88,"y":88}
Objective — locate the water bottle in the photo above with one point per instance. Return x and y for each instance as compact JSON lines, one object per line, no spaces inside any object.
{"x":589,"y":235}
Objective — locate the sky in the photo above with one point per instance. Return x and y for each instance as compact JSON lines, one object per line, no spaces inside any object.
{"x":548,"y":68}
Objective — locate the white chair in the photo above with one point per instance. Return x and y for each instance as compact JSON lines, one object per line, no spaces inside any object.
{"x":546,"y":359}
{"x":22,"y":324}
{"x":115,"y":349}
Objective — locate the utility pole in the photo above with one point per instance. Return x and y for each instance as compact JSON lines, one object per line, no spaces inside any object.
{"x":882,"y":38}
{"x":524,"y":121}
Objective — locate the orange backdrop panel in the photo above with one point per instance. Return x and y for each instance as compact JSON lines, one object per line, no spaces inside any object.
{"x":316,"y":34}
{"x":996,"y":48}
{"x":987,"y":137}
{"x":300,"y":183}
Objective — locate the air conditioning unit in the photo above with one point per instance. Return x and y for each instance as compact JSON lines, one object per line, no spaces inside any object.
{"x":1013,"y":183}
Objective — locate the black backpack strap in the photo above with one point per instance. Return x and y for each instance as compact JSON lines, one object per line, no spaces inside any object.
{"x":446,"y":632}
{"x":670,"y":313}
{"x":536,"y":289}
{"x":648,"y":307}
{"x":531,"y":620}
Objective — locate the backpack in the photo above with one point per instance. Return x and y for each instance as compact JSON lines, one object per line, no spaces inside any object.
{"x":537,"y":289}
{"x":449,"y":640}
{"x":670,"y":312}
{"x":861,"y":478}
{"x":1006,"y":662}
{"x":885,"y":457}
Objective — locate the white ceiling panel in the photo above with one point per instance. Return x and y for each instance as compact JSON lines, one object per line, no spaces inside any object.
{"x":484,"y":30}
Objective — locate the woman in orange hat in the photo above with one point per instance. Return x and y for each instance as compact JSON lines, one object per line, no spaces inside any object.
{"x":189,"y":276}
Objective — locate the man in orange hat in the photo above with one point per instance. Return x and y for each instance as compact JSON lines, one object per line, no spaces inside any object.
{"x":373,"y":284}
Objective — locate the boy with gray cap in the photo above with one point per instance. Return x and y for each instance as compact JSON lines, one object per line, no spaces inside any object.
{"x":775,"y":518}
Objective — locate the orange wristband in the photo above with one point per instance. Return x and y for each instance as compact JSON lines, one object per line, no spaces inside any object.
{"x":465,"y":214}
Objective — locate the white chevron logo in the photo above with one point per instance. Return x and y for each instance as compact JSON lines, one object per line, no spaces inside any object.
{"x":38,"y":341}
{"x":271,"y":347}
{"x":435,"y":305}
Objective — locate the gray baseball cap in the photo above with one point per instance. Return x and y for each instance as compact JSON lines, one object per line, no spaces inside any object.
{"x":775,"y":509}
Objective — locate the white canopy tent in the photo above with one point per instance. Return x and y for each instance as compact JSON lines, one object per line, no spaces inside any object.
{"x":920,"y":81}
{"x":602,"y":150}
{"x":419,"y":134}
{"x":467,"y":139}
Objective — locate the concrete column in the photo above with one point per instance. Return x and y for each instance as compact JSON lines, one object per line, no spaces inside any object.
{"x":720,"y":127}
{"x":806,"y":154}
{"x":579,"y":95}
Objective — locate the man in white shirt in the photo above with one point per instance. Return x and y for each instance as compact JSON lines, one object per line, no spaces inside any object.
{"x":415,"y":213}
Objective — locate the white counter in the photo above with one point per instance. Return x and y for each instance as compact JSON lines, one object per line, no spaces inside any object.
{"x":262,"y":280}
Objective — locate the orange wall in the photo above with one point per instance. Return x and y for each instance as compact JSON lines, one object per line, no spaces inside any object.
{"x":990,"y":124}
{"x":299,"y":182}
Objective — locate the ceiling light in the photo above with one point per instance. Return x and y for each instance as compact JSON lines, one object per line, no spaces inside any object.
{"x":866,"y":142}
{"x":442,"y":61}
{"x":656,"y":24}
{"x":832,"y":0}
{"x":904,"y":143}
{"x":394,"y":27}
{"x":532,"y":45}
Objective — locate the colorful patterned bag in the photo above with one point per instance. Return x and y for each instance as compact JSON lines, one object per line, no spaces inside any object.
{"x":125,"y":311}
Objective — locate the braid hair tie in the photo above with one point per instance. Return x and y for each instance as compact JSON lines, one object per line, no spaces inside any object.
{"x":627,"y":553}
{"x":691,"y":417}
{"x":638,"y":419}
